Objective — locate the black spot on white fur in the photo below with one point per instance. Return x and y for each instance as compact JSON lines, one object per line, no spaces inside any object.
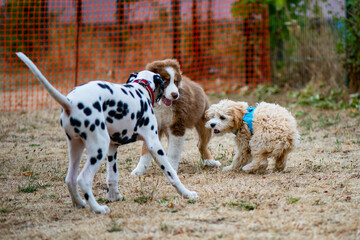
{"x":80,"y":106}
{"x":100,"y":155}
{"x":83,"y":135}
{"x":160,"y":152}
{"x":112,"y":113}
{"x":104,"y":106}
{"x":97,"y":106}
{"x":137,"y":92}
{"x":146,"y":122}
{"x":123,"y":90}
{"x":87,"y":111}
{"x":122,"y":139}
{"x":105,"y":86}
{"x":93,"y":160}
{"x":74,"y":122}
{"x":111,"y":103}
{"x":109,"y":120}
{"x":86,"y":123}
{"x":68,"y":136}
{"x":140,"y":115}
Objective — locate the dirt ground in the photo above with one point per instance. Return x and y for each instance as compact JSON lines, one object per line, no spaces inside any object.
{"x":316,"y":197}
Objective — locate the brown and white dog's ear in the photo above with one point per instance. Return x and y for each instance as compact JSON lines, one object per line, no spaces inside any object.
{"x":160,"y":65}
{"x":176,"y":66}
{"x":154,"y":66}
{"x":238,"y":110}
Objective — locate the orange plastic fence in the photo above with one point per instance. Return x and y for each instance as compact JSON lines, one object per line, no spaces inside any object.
{"x":222,"y":45}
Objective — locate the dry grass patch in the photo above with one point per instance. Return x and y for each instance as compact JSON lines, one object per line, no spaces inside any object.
{"x":317,"y":196}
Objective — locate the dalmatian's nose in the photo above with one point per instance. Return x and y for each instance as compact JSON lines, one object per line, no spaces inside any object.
{"x":174,"y":95}
{"x":212,"y":125}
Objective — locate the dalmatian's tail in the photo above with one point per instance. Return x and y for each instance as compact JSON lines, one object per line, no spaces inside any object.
{"x":61,"y":99}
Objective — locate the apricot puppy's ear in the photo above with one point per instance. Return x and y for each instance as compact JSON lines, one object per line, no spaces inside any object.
{"x":207,"y":117}
{"x":238,"y":111}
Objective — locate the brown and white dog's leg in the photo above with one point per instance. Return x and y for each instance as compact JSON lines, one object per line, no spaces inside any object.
{"x":204,"y":138}
{"x":175,"y":148}
{"x":174,"y":154}
{"x":144,"y":162}
{"x":157,"y":151}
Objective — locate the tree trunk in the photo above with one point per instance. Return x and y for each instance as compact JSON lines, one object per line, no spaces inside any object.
{"x":354,"y":82}
{"x":197,"y":52}
{"x":175,"y":9}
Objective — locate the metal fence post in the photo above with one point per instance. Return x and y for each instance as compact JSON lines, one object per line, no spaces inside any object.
{"x":78,"y":25}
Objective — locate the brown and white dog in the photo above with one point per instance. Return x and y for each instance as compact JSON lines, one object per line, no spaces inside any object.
{"x":183,"y":106}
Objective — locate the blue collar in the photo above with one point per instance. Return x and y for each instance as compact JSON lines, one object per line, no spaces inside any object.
{"x":248,"y":119}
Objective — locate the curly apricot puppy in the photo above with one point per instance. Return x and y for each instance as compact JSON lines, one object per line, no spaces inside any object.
{"x":268,"y":130}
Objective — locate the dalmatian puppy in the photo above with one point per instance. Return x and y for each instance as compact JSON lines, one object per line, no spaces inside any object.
{"x":100,"y":116}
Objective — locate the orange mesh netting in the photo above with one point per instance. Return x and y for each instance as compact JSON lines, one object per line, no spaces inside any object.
{"x":220,"y":44}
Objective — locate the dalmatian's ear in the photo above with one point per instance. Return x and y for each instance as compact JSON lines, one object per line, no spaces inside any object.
{"x":159,"y":87}
{"x":132,"y":77}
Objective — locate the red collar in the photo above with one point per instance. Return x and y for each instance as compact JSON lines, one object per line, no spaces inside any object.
{"x":146,"y":85}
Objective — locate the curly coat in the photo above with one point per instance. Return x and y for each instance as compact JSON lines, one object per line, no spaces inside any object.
{"x":274,"y":134}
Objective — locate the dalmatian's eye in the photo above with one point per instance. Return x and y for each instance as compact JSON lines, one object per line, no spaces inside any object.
{"x":222,"y":117}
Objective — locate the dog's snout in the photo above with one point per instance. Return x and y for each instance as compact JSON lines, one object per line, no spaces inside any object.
{"x":175,"y":95}
{"x":212,"y":125}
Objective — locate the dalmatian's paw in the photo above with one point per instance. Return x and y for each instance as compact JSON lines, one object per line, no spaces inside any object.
{"x":138,"y":171}
{"x":80,"y":204}
{"x":101,"y":209}
{"x":113,"y":196}
{"x":190,"y":195}
{"x":211,"y":163}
